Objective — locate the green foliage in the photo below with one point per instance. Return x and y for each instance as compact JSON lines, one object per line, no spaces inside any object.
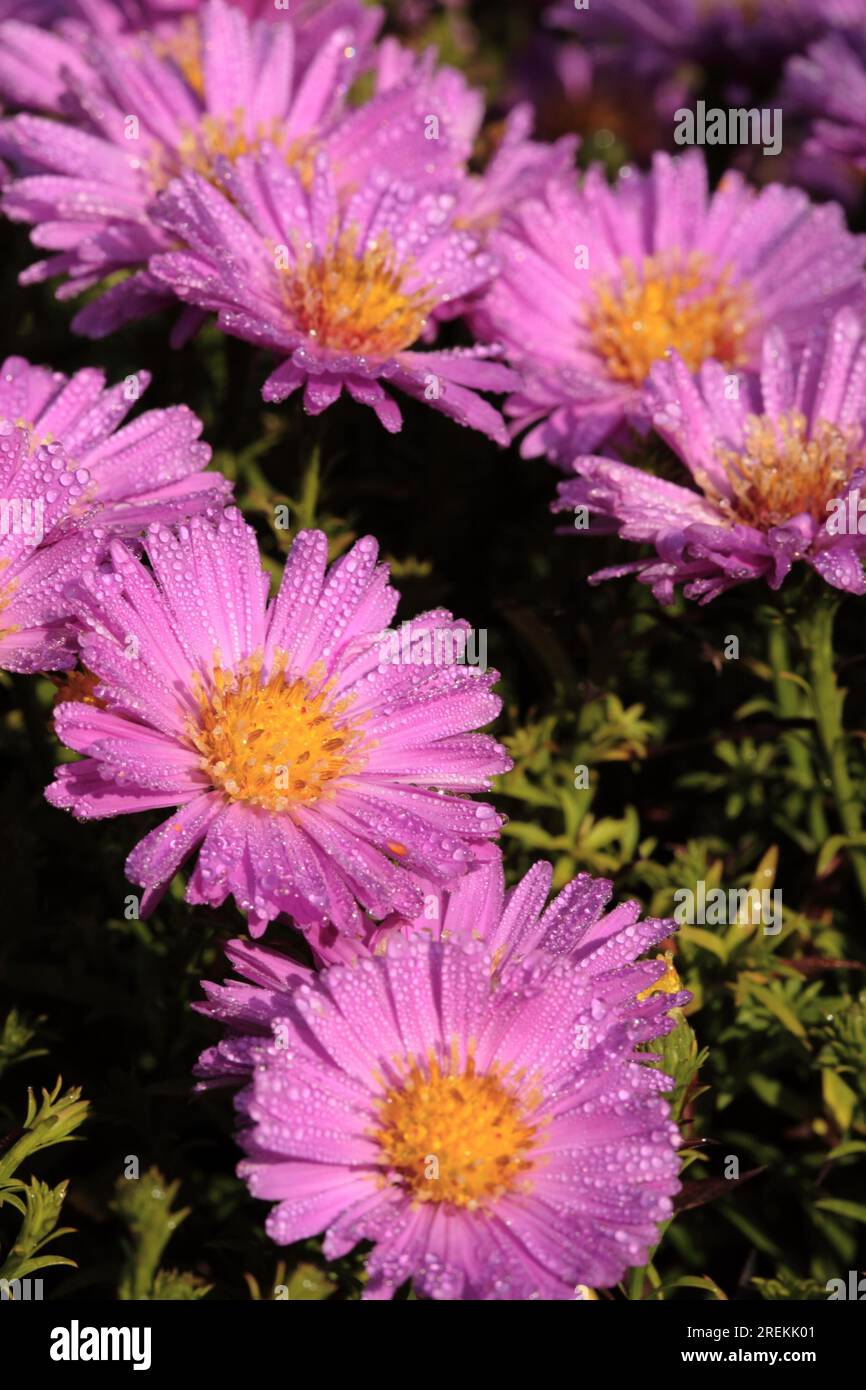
{"x":18,"y":1032}
{"x":307,"y":1283}
{"x":641,"y":753}
{"x":145,"y":1206}
{"x":788,"y":1286}
{"x":47,"y":1123}
{"x":558,"y":790}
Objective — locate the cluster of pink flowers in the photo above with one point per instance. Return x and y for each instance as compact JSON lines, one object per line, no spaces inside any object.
{"x":216,"y":160}
{"x":314,"y":777}
{"x":338,"y":235}
{"x":309,"y":188}
{"x":466,"y":1094}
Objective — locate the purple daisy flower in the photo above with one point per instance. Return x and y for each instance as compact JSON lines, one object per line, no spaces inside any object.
{"x":519,"y":168}
{"x":457,"y":107}
{"x":319,"y":775}
{"x":145,"y":111}
{"x":516,"y":926}
{"x":671,"y":31}
{"x":34,"y":11}
{"x":34,"y":63}
{"x":44,"y":42}
{"x":573,"y":86}
{"x":779,"y":468}
{"x":341,"y":288}
{"x":516,"y":923}
{"x":41,"y":49}
{"x":598,"y":283}
{"x":493,"y":1133}
{"x":250,"y":1006}
{"x":828,"y":85}
{"x":70,"y":479}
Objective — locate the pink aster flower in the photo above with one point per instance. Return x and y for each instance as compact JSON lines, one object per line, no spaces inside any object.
{"x":34,"y":11}
{"x":828,"y":86}
{"x":144,"y":111}
{"x":672,"y":31}
{"x":598,"y":283}
{"x":777,"y":472}
{"x":342,"y":288}
{"x":43,"y":45}
{"x":494,"y":1134}
{"x":70,"y":479}
{"x":319,"y":776}
{"x":590,"y":88}
{"x":519,"y":168}
{"x":43,"y":42}
{"x":517,"y":923}
{"x":458,"y":108}
{"x":516,"y":926}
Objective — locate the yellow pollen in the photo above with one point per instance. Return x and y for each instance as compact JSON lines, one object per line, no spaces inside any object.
{"x":226,"y":137}
{"x":36,"y":441}
{"x":668,"y":983}
{"x":668,"y":303}
{"x":356,"y":303}
{"x":184,"y":48}
{"x":272,"y":741}
{"x":218,"y":136}
{"x":457,"y":1136}
{"x":780,"y":472}
{"x":214,"y":136}
{"x":78,"y":686}
{"x":201,"y":146}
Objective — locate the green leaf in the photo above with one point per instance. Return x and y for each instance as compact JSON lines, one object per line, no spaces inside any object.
{"x":694,"y":1281}
{"x":145,"y":1205}
{"x":855,"y":1211}
{"x":706,"y":939}
{"x":839,"y":1099}
{"x":533,"y":836}
{"x":780,"y":1010}
{"x":50,"y":1122}
{"x":831,"y":848}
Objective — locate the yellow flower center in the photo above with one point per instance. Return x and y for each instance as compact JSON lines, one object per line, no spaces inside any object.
{"x":668,"y":983}
{"x":356,"y":303}
{"x":218,"y":137}
{"x":455,"y":1135}
{"x":666,"y":304}
{"x":78,"y":686}
{"x":224,"y":137}
{"x":780,"y":472}
{"x":184,"y":48}
{"x":274,"y":742}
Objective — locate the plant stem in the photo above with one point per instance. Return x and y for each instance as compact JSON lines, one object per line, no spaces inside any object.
{"x":827,"y":703}
{"x":636,"y":1281}
{"x":787,"y":700}
{"x":308,"y":501}
{"x":789,"y":705}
